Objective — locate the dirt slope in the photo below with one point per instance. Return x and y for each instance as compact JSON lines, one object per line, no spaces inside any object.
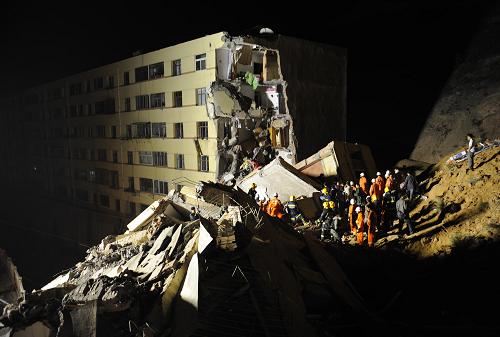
{"x":458,"y":209}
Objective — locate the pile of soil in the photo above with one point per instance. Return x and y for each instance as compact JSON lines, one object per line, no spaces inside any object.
{"x":458,"y":208}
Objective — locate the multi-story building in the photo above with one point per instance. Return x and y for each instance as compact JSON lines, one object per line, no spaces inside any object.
{"x":120,"y":136}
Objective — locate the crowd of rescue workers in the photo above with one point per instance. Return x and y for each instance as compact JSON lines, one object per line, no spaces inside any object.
{"x":359,"y":211}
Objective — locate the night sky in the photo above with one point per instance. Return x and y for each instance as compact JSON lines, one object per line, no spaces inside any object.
{"x":400,"y":53}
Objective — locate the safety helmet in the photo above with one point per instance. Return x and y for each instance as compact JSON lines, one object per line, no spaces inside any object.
{"x":396,"y":170}
{"x":254,"y":185}
{"x":292,"y":198}
{"x":378,"y":173}
{"x":353,"y":201}
{"x":368,"y":198}
{"x":331,"y":204}
{"x":275,"y":194}
{"x":351,"y":183}
{"x":358,"y":209}
{"x":361,"y":174}
{"x":326,"y":204}
{"x":373,"y":181}
{"x":388,"y":172}
{"x":324,"y":190}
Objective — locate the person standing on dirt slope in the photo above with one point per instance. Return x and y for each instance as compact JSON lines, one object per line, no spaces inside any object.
{"x":403,"y":214}
{"x":409,"y":185}
{"x":470,"y":152}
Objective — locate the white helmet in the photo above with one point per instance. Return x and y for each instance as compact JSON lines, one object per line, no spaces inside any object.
{"x":353,"y":201}
{"x":361,"y":174}
{"x":378,"y":173}
{"x":358,"y":209}
{"x":373,"y":180}
{"x":351,"y":183}
{"x":388,"y":172}
{"x":396,"y":171}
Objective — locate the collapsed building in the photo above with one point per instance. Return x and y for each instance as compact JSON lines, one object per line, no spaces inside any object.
{"x":233,"y":271}
{"x":250,"y":101}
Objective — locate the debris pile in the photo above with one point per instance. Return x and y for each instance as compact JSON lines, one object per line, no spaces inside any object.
{"x":236,"y":269}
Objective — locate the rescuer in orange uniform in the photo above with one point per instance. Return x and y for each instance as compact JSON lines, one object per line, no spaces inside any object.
{"x":372,"y":223}
{"x":374,"y":191}
{"x":352,"y":222}
{"x":360,"y":226}
{"x":389,"y":181}
{"x":380,"y":181}
{"x":363,"y":183}
{"x":275,"y":207}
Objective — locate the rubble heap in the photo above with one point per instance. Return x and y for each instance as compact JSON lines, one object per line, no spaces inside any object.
{"x":230,"y":272}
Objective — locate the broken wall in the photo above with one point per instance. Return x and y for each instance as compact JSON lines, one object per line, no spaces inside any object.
{"x":316,"y":89}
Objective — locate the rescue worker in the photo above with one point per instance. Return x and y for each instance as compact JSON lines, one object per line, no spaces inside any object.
{"x":374,"y":191}
{"x":330,"y":227}
{"x":275,"y":207}
{"x":351,"y":214}
{"x":380,"y":181}
{"x":293,"y":210}
{"x":403,"y":214}
{"x":372,"y":223}
{"x":470,"y":152}
{"x":363,"y":183}
{"x":389,"y":182}
{"x":263,"y":204}
{"x":359,"y":195}
{"x":409,"y":185}
{"x":252,"y":192}
{"x":327,"y":205}
{"x":359,"y":226}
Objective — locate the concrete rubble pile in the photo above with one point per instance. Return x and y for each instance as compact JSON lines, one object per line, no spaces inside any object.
{"x":232,"y":271}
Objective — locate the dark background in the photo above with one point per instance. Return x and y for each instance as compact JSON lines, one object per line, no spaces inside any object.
{"x":400,"y":53}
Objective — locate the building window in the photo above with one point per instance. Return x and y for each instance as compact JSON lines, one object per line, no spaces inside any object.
{"x":101,"y":131}
{"x":146,"y":157}
{"x":117,"y":205}
{"x":156,"y":70}
{"x":130,"y":157}
{"x":102,"y":155}
{"x":88,"y":87}
{"x":129,"y":131}
{"x":104,"y":200}
{"x":72,"y":111}
{"x":127,"y":104}
{"x":179,"y":130}
{"x":98,"y":83}
{"x":111,"y":82}
{"x":179,"y":161}
{"x":92,"y":154}
{"x":115,"y":156}
{"x":142,"y":102}
{"x":160,"y":187}
{"x":158,"y":100}
{"x":201,"y":61}
{"x":89,"y":109}
{"x":159,"y":158}
{"x":203,"y":163}
{"x":202,"y":130}
{"x":92,"y":175}
{"x":80,"y":109}
{"x":114,"y":179}
{"x":146,"y":185}
{"x":126,"y":78}
{"x":177,"y":98}
{"x":141,"y":130}
{"x":159,"y":130}
{"x":131,"y":184}
{"x":201,"y":96}
{"x":113,"y":131}
{"x":176,"y":67}
{"x":131,"y":207}
{"x":141,"y":74}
